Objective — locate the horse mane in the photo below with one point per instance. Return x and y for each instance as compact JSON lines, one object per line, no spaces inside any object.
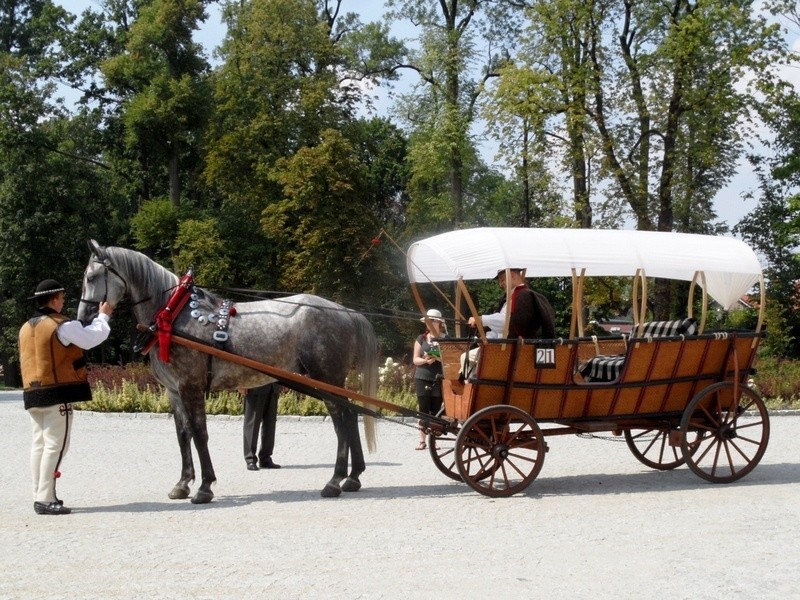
{"x":142,"y":268}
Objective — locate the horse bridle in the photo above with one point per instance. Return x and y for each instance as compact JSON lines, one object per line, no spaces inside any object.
{"x":107,"y":268}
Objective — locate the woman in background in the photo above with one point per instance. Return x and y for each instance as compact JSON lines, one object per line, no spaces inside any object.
{"x":428,"y":372}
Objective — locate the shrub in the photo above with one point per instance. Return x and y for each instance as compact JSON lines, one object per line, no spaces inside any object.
{"x":778,"y":381}
{"x":132,"y":388}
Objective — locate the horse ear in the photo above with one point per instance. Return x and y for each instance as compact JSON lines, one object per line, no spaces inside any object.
{"x":94,"y":248}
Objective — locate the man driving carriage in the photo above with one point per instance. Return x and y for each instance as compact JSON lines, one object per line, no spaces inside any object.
{"x":532,"y":315}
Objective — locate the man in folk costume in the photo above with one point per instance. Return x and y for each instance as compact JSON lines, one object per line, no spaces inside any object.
{"x":54,"y":376}
{"x":532,"y":316}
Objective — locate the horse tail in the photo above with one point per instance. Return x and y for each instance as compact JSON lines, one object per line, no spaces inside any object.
{"x":368,"y":363}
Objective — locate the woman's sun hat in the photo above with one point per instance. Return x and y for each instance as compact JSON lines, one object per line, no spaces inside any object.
{"x":433,"y":315}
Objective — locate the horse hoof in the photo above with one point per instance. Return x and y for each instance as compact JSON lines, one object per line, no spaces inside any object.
{"x":351,"y":485}
{"x":179,"y":492}
{"x":331,"y":491}
{"x":202,"y":497}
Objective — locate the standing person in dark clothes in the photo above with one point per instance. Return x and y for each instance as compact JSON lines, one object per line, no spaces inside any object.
{"x":54,"y":376}
{"x":428,"y":372}
{"x":260,"y":413}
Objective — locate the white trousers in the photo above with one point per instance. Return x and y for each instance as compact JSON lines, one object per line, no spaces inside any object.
{"x":51,"y":426}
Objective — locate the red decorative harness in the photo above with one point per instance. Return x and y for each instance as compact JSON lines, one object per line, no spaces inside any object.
{"x":160,"y":329}
{"x":165,"y":316}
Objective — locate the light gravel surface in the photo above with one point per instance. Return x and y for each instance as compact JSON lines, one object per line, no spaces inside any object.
{"x":595,"y":524}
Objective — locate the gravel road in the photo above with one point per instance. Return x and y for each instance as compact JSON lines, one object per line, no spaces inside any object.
{"x":595,"y":524}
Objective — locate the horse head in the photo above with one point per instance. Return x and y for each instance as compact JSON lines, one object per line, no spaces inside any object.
{"x":101,"y":283}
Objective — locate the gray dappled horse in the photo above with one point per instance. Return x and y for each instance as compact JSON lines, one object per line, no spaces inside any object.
{"x":303,"y":333}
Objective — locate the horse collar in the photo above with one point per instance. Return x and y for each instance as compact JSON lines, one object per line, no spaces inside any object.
{"x":164,"y":318}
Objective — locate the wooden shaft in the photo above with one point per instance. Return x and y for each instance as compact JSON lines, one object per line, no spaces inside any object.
{"x":283,"y":375}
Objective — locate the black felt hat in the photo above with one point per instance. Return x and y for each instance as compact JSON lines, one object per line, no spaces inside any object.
{"x":503,"y":271}
{"x":47,"y":288}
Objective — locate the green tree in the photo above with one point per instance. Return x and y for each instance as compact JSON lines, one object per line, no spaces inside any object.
{"x":539,"y":102}
{"x":161,"y":80}
{"x":324,"y":211}
{"x":275,"y":91}
{"x":154,"y":227}
{"x":291,"y":70}
{"x":773,"y":227}
{"x":443,"y":108}
{"x":198,"y":245}
{"x":49,"y":201}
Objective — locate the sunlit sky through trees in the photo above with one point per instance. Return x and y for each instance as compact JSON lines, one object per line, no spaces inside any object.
{"x":730,"y":204}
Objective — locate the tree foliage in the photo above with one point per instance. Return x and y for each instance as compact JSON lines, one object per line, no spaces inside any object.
{"x":452,"y":74}
{"x":161,"y":79}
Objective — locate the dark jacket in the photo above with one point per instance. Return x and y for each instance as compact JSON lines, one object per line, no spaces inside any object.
{"x":532,"y":316}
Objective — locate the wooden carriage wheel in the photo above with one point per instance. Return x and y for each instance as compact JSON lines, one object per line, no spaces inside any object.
{"x":499,"y":451}
{"x":651,"y":447}
{"x":731,"y":432}
{"x":443,"y":452}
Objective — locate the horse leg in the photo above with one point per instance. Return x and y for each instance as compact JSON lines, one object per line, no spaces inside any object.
{"x":182,"y":490}
{"x":357,"y":464}
{"x":195,"y":401}
{"x":332,"y":489}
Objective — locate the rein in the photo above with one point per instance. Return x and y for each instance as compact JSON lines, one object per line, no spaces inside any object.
{"x":363,"y":309}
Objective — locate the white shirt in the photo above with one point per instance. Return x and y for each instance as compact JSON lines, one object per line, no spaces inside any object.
{"x":95,"y":333}
{"x":496,"y":322}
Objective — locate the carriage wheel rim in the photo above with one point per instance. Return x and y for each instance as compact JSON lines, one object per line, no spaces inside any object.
{"x":732,"y":434}
{"x":500,"y":451}
{"x":442,"y":449}
{"x":656,"y":451}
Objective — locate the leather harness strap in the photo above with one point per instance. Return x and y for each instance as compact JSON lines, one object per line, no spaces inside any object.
{"x":165,"y":316}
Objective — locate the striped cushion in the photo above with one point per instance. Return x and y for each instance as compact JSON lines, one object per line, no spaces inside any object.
{"x":603,"y":368}
{"x":677,"y":327}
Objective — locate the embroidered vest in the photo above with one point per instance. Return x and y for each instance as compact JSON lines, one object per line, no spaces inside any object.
{"x":52,"y":373}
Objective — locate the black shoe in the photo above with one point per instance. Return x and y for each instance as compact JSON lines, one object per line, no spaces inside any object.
{"x":53,"y":508}
{"x":251,"y":466}
{"x":268,"y":464}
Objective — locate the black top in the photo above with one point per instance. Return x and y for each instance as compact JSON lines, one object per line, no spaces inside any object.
{"x":427,"y":372}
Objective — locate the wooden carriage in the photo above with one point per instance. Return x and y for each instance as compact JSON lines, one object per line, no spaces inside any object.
{"x":677,"y":393}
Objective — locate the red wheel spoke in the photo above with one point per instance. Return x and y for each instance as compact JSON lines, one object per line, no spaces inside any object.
{"x":746,"y":425}
{"x":714,"y":464}
{"x":726,"y":444}
{"x":703,"y":454}
{"x":739,"y":450}
{"x":709,"y":416}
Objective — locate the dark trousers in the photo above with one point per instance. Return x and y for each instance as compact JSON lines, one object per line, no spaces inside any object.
{"x":260,"y":412}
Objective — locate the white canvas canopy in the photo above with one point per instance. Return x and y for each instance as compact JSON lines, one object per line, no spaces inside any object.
{"x":729,"y":265}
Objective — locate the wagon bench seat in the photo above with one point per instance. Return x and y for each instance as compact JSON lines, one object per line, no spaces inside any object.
{"x":609,"y":367}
